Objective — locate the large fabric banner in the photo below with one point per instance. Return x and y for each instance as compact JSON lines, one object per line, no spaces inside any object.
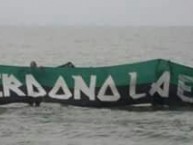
{"x":155,"y":82}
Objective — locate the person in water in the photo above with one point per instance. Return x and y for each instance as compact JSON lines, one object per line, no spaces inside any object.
{"x":68,"y":64}
{"x":37,"y":101}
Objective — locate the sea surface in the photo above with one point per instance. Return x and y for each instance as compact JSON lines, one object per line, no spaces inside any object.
{"x":52,"y":124}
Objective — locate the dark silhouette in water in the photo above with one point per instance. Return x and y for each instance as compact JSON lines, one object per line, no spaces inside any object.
{"x":68,"y":64}
{"x":34,"y":101}
{"x":37,"y":101}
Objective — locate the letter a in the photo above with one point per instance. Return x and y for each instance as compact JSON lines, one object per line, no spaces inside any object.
{"x":109,"y":98}
{"x":163,"y":80}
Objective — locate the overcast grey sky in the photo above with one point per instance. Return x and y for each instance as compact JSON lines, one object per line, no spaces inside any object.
{"x":96,"y":12}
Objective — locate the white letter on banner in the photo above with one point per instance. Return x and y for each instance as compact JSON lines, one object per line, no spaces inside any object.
{"x":1,"y":93}
{"x":31,"y":82}
{"x":10,"y":83}
{"x":182,"y":87}
{"x":60,"y":83}
{"x":163,"y":80}
{"x":132,"y":87}
{"x":80,"y":86}
{"x":109,"y":98}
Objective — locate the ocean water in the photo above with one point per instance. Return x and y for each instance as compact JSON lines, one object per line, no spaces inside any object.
{"x":52,"y":124}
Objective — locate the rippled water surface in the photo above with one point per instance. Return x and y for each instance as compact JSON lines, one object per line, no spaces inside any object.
{"x":52,"y":124}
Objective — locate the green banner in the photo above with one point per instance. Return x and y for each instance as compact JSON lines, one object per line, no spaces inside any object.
{"x":158,"y":82}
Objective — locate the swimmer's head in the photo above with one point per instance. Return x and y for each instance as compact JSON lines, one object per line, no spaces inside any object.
{"x":33,"y":64}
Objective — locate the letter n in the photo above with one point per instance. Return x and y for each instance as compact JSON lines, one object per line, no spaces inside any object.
{"x":80,"y":86}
